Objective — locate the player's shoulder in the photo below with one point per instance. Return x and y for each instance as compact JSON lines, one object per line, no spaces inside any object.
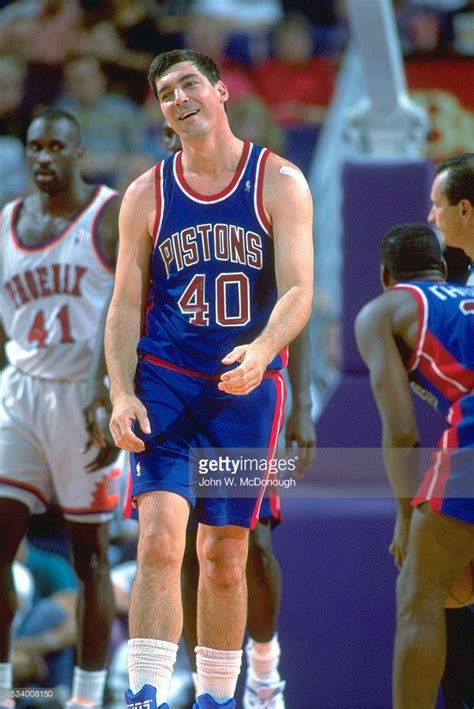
{"x":278,"y":169}
{"x":142,"y":191}
{"x":284,"y":186}
{"x":382,"y":309}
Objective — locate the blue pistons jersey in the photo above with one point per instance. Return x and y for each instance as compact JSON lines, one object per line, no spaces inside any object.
{"x":441,"y":371}
{"x":212,"y":281}
{"x":442,"y":366}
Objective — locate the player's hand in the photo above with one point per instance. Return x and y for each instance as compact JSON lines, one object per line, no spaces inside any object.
{"x":128,"y":409}
{"x":399,"y":544}
{"x":300,"y":434}
{"x":248,"y":375}
{"x":96,"y":408}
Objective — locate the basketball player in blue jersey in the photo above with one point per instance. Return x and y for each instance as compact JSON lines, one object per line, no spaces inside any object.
{"x":214,"y":280}
{"x":57,"y":262}
{"x":263,"y":686}
{"x":452,"y":212}
{"x":420,"y":332}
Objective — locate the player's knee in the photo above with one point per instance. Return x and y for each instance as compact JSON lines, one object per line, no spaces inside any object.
{"x":223,"y":563}
{"x":90,"y":550}
{"x":158,"y":549}
{"x":90,"y":562}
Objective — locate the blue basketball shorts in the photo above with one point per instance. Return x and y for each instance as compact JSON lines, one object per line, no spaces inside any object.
{"x":448,"y":485}
{"x":187,"y":411}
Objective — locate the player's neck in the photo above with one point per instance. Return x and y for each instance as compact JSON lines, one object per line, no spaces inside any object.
{"x":67,"y":201}
{"x":211,"y":155}
{"x":469,"y":244}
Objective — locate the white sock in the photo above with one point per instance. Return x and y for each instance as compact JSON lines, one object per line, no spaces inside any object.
{"x":151,"y":661}
{"x":218,"y":672}
{"x":263,"y":660}
{"x":88,"y":686}
{"x":6,"y":681}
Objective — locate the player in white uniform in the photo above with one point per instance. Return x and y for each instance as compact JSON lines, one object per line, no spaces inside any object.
{"x":57,"y":260}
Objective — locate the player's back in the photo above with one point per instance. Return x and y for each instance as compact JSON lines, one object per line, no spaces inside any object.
{"x":442,"y":364}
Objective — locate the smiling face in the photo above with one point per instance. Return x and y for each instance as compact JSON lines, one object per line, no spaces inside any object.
{"x":53,"y":152}
{"x":190,"y":103}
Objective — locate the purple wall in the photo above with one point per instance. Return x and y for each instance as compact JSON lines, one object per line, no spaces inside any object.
{"x":337,"y":620}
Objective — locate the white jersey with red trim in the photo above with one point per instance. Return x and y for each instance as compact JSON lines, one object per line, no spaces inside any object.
{"x":53,"y":294}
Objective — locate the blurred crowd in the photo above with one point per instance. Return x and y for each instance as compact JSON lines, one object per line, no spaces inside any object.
{"x":279,"y":59}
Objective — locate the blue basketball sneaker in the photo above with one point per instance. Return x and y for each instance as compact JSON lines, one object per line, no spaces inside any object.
{"x":144,"y":699}
{"x":205,"y":701}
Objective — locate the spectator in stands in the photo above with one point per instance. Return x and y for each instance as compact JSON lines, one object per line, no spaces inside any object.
{"x":14,"y":120}
{"x":251,"y":119}
{"x":308,"y":82}
{"x":111,"y":126}
{"x":43,"y":34}
{"x":209,"y":35}
{"x":124,"y":40}
{"x":308,"y":79}
{"x":43,"y":651}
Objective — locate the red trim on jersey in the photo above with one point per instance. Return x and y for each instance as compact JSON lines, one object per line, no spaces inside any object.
{"x":275,"y":506}
{"x":443,"y":370}
{"x":220,"y":195}
{"x":24,"y":486}
{"x":176,"y":368}
{"x":158,"y":201}
{"x":422,"y":320}
{"x":433,"y":486}
{"x":192,"y":372}
{"x":284,"y":354}
{"x":54,"y":239}
{"x":95,"y":236}
{"x":259,"y":190}
{"x":272,"y":445}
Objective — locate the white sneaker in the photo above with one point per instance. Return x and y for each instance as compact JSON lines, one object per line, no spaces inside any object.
{"x":264,"y":696}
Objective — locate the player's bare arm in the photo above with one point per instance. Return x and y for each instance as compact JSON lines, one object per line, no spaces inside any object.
{"x":375,"y":327}
{"x":124,"y":321}
{"x":299,"y":428}
{"x":96,"y":400}
{"x":289,"y":206}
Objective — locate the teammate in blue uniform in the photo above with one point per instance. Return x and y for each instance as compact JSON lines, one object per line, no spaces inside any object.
{"x":452,"y":212}
{"x":420,"y":331}
{"x":214,"y":280}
